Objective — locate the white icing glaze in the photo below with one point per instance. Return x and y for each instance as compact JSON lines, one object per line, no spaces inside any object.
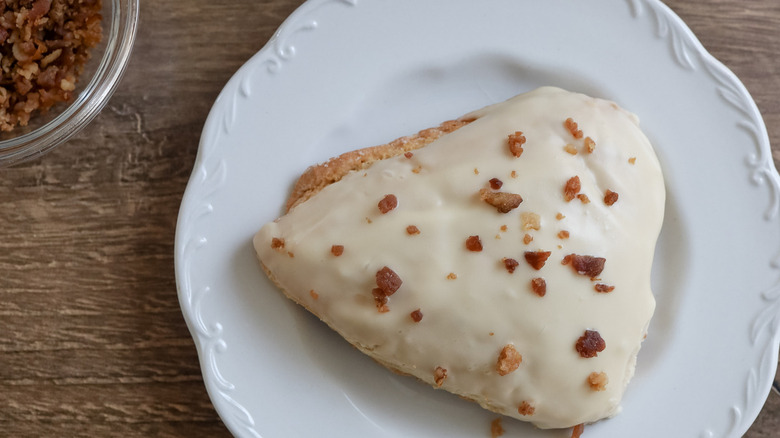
{"x":467,"y":321}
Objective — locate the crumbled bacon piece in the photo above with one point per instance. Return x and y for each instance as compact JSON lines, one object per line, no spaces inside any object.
{"x":632,"y":160}
{"x":598,"y":381}
{"x":585,"y":264}
{"x":537,"y":258}
{"x":583,"y":198}
{"x":510,"y":264}
{"x":503,"y":201}
{"x":277,"y":243}
{"x":314,"y":295}
{"x":513,"y":174}
{"x":496,"y":430}
{"x":290,"y":254}
{"x":530,"y":221}
{"x":590,"y":344}
{"x":476,"y":171}
{"x":337,"y":250}
{"x":571,"y":188}
{"x":572,"y":127}
{"x":508,"y":360}
{"x":452,"y":276}
{"x":539,"y":286}
{"x":503,"y":227}
{"x":388,"y":203}
{"x":496,"y":183}
{"x":439,"y":376}
{"x":528,"y":239}
{"x":559,"y":216}
{"x":576,"y":432}
{"x":525,"y":409}
{"x":388,"y":281}
{"x":380,"y":299}
{"x":603,"y":288}
{"x":563,"y":234}
{"x":590,"y":145}
{"x":570,"y":148}
{"x":474,"y":244}
{"x":412,"y":230}
{"x":408,"y":155}
{"x":610,"y":197}
{"x":416,"y":315}
{"x":516,"y":142}
{"x":417,"y":169}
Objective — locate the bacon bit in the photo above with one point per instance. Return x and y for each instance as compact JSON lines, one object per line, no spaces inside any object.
{"x":277,"y":243}
{"x":496,"y":430}
{"x":513,"y":174}
{"x":388,"y":203}
{"x":610,"y":197}
{"x":576,"y":432}
{"x":503,"y":227}
{"x":408,"y":155}
{"x":503,"y":201}
{"x":498,"y":236}
{"x":491,"y":333}
{"x":585,"y":264}
{"x":412,"y":230}
{"x":603,"y":288}
{"x":451,"y":276}
{"x":539,"y":286}
{"x":530,"y":221}
{"x":525,"y":409}
{"x":474,"y":244}
{"x":476,"y":171}
{"x":314,"y":295}
{"x":537,"y":258}
{"x":590,"y":145}
{"x":632,"y":160}
{"x":508,"y":360}
{"x":380,"y":299}
{"x":572,"y":127}
{"x":583,"y":198}
{"x":337,"y":250}
{"x":571,"y":188}
{"x":559,"y":216}
{"x":563,"y":234}
{"x":388,"y":281}
{"x":510,"y":264}
{"x":290,"y":254}
{"x":439,"y":376}
{"x":590,"y":344}
{"x":528,"y":239}
{"x":598,"y":381}
{"x":496,"y":183}
{"x":417,"y":169}
{"x":570,"y":148}
{"x":516,"y":142}
{"x":416,"y":315}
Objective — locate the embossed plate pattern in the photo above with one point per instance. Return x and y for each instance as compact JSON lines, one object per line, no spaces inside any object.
{"x":344,"y":74}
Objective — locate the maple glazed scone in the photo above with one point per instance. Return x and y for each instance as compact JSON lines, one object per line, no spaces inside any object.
{"x":508,"y":261}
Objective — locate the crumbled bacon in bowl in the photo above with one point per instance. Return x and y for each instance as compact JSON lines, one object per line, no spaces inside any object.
{"x":44,"y":46}
{"x":61,"y":62}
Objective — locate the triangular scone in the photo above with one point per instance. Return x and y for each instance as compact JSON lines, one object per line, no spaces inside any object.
{"x":508,"y":261}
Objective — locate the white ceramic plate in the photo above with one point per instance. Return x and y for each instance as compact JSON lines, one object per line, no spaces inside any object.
{"x":344,"y":74}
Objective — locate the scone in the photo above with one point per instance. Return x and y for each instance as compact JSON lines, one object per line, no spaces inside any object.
{"x":504,"y":256}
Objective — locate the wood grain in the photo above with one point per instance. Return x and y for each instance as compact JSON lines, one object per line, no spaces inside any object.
{"x":92,"y":342}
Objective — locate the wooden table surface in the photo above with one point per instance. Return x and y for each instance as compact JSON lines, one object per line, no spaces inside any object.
{"x":92,"y":341}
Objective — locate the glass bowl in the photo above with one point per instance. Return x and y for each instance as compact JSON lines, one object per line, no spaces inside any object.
{"x":95,"y":86}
